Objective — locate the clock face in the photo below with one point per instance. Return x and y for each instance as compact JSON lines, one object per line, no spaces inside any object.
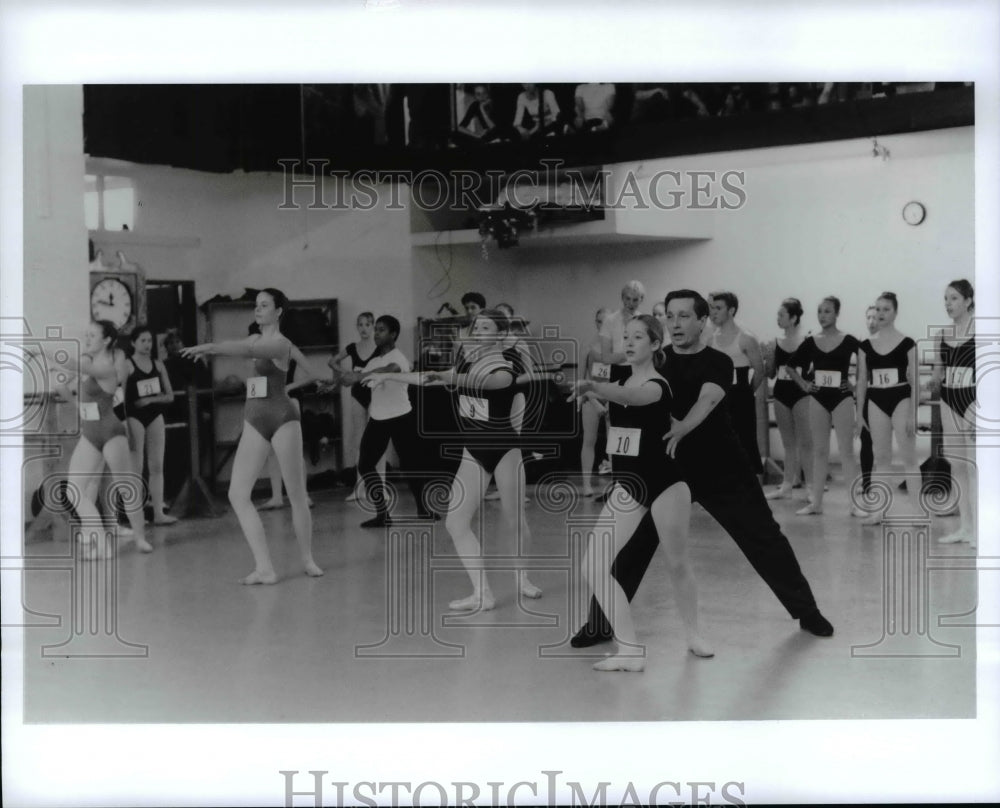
{"x":111,"y":300}
{"x":914,"y":213}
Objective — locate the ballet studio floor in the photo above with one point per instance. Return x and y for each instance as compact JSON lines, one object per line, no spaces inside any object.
{"x":181,"y":641}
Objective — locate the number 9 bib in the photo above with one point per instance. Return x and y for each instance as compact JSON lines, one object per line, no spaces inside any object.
{"x":473,"y":408}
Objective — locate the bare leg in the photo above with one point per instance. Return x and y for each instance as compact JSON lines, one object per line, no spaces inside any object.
{"x":119,"y":460}
{"x":672,"y":517}
{"x":804,"y":439}
{"x":137,"y":445}
{"x":84,"y":464}
{"x":287,"y":444}
{"x":251,"y":454}
{"x":882,"y":429}
{"x":819,"y":427}
{"x":786,"y":428}
{"x":156,"y":438}
{"x":601,"y":553}
{"x":466,"y":494}
{"x":277,"y":499}
{"x":590,"y":417}
{"x":843,"y":426}
{"x":510,"y":484}
{"x":960,"y":434}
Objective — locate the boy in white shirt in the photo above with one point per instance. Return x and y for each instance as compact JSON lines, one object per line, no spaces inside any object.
{"x":390,"y":417}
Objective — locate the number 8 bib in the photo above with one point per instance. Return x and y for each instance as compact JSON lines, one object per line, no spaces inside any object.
{"x":257,"y":387}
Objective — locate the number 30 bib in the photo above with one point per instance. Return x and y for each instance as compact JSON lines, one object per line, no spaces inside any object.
{"x":828,"y":378}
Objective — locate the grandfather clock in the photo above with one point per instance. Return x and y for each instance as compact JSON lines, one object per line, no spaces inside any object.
{"x":118,"y":293}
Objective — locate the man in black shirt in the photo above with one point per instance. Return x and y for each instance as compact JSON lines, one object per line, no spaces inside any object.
{"x":718,"y":472}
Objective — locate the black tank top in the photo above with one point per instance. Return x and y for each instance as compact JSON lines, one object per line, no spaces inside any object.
{"x":810,"y":357}
{"x":959,"y":356}
{"x":132,"y":384}
{"x":360,"y":393}
{"x":783,"y":357}
{"x":652,"y":419}
{"x":897,"y":359}
{"x":486,"y":412}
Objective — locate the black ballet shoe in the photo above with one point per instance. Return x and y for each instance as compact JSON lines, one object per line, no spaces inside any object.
{"x":588,"y":635}
{"x":816,"y":624}
{"x":377,"y":521}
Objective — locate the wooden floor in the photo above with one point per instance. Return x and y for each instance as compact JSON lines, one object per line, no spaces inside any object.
{"x":205,"y":649}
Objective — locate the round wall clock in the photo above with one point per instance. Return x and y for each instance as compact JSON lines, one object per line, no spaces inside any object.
{"x":111,"y":299}
{"x":914,"y":213}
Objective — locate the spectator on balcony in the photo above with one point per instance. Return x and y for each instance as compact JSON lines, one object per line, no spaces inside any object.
{"x":593,"y":104}
{"x":478,"y":124}
{"x":735,"y":102}
{"x":651,"y":103}
{"x":691,"y":103}
{"x":537,"y":115}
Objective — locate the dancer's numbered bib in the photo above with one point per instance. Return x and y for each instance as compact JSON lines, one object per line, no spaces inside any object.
{"x":473,"y":408}
{"x":783,"y":375}
{"x":959,"y":377}
{"x":148,"y":387}
{"x":257,"y":387}
{"x":623,"y":441}
{"x":600,"y":370}
{"x":885,"y":377}
{"x":119,"y":397}
{"x":828,"y":378}
{"x":89,"y":411}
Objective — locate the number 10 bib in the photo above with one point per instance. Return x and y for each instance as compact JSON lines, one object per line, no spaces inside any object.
{"x":623,"y":441}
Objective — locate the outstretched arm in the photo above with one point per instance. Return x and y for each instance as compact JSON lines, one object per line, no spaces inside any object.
{"x":639,"y":396}
{"x":252,"y":346}
{"x":312,"y":370}
{"x":372,"y":378}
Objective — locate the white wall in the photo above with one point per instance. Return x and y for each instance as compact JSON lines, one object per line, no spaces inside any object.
{"x":819,"y":219}
{"x":56,"y":273}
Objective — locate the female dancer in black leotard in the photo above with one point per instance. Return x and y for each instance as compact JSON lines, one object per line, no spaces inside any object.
{"x":955,"y":375}
{"x":271,"y":419}
{"x":646,"y":479}
{"x":887,"y":374}
{"x":102,"y":368}
{"x":483,"y":383}
{"x":147,"y":392}
{"x":359,"y":353}
{"x":826,"y":360}
{"x":791,"y":402}
{"x":592,"y":410}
